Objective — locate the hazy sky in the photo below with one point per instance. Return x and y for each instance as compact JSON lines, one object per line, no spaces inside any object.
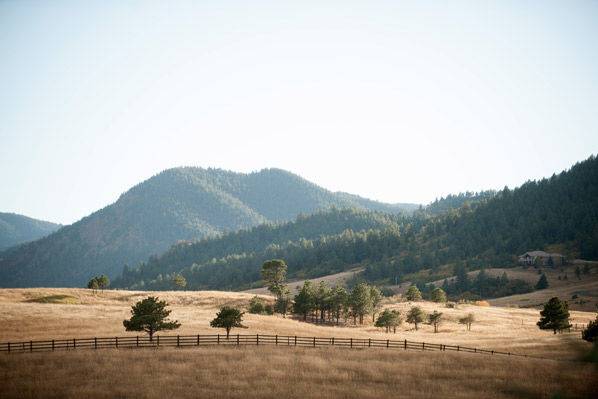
{"x":396,"y":101}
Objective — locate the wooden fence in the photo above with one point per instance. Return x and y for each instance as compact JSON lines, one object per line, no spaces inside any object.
{"x":233,"y":340}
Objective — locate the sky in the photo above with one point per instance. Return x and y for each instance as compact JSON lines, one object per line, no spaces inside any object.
{"x":398,"y":101}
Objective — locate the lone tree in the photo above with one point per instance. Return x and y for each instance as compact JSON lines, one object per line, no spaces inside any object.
{"x":435,"y":318}
{"x":389,"y":319}
{"x":415,"y":316}
{"x":413,"y":294}
{"x":228,"y":318}
{"x":542,"y":282}
{"x":555,"y":315}
{"x":179,"y":281}
{"x":590,"y":333}
{"x":257,"y":305}
{"x":375,"y":301}
{"x":438,"y":295}
{"x":274,"y":274}
{"x":93,"y":285}
{"x":150,"y":315}
{"x":467,"y":320}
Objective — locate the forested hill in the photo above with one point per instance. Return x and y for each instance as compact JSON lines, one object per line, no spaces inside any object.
{"x":17,"y":229}
{"x":177,"y":204}
{"x":560,"y":211}
{"x":214,"y":262}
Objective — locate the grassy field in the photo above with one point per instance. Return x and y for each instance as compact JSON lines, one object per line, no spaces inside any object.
{"x":250,"y":372}
{"x":67,"y":313}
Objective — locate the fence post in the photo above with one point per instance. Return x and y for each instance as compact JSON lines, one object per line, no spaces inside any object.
{"x":52,"y":346}
{"x":457,"y":348}
{"x":257,"y":339}
{"x":74,"y":343}
{"x":30,"y":346}
{"x":276,"y":340}
{"x":9,"y":346}
{"x":493,"y":352}
{"x":218,"y":340}
{"x":295,"y":340}
{"x":332,"y":341}
{"x":237,"y":339}
{"x":116,"y":340}
{"x":95,"y":343}
{"x":387,"y":342}
{"x":314,"y":342}
{"x":177,"y":340}
{"x":475,"y":350}
{"x":423,"y":346}
{"x":370,"y":342}
{"x":197,"y":339}
{"x":351,"y":342}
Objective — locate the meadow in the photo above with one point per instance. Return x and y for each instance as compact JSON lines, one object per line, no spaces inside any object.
{"x":247,"y":372}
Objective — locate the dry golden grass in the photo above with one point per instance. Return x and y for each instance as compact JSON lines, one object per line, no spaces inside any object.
{"x":507,"y":329}
{"x":267,"y":372}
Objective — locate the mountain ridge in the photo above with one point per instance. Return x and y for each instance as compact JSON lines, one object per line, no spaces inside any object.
{"x":17,"y":229}
{"x":185,"y":203}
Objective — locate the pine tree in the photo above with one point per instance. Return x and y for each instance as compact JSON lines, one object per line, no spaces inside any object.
{"x":435,"y":318}
{"x":542,"y":282}
{"x":304,"y":301}
{"x":150,"y":315}
{"x":438,"y":295}
{"x":590,"y":333}
{"x":228,"y":318}
{"x":413,"y":294}
{"x":415,"y":316}
{"x":555,"y":316}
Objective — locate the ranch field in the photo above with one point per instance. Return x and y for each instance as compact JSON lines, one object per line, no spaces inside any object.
{"x":247,"y":372}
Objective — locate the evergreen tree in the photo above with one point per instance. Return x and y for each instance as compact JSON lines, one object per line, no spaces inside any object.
{"x":555,"y":316}
{"x":274,"y":274}
{"x":375,"y":301}
{"x":179,"y":281}
{"x":415,"y":316}
{"x":228,"y":318}
{"x":438,"y":295}
{"x":435,"y":318}
{"x":413,"y":294}
{"x":590,"y":333}
{"x":389,"y":319}
{"x":338,"y":302}
{"x":304,"y":301}
{"x":359,"y":300}
{"x":283,"y":301}
{"x":542,"y":282}
{"x":150,"y":315}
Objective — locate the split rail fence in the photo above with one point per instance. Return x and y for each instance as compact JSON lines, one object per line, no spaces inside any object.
{"x":233,"y":340}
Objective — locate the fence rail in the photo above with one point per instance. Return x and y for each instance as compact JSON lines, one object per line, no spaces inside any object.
{"x":233,"y":339}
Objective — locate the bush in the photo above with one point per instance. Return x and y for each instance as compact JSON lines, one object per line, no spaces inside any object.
{"x":590,"y":333}
{"x":256,"y":305}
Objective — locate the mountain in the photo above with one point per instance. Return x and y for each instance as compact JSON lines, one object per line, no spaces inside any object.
{"x":17,"y":229}
{"x":180,"y":204}
{"x":489,"y":229}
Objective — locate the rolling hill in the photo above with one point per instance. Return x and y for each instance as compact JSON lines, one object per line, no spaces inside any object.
{"x":16,"y":229}
{"x":176,"y":205}
{"x":560,"y":212}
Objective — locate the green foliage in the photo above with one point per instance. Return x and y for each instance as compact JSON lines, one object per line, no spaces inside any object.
{"x":413,"y":294}
{"x":542,"y":282}
{"x":555,"y":316}
{"x":257,"y":305}
{"x":485,"y":286}
{"x":389,"y":319}
{"x":150,"y":315}
{"x":435,"y":318}
{"x":274,"y":274}
{"x":228,"y":318}
{"x":415,"y":316}
{"x":360,"y":301}
{"x":590,"y":333}
{"x":438,"y":295}
{"x":375,"y":301}
{"x":283,"y":301}
{"x":179,"y":281}
{"x":467,"y":320}
{"x":339,"y":302}
{"x":99,"y":283}
{"x":304,"y":301}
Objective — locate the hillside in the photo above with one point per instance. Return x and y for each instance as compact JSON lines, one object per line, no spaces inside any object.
{"x":176,"y":205}
{"x":487,"y":232}
{"x":17,"y":229}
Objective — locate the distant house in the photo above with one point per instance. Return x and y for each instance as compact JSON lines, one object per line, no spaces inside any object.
{"x":541,"y":258}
